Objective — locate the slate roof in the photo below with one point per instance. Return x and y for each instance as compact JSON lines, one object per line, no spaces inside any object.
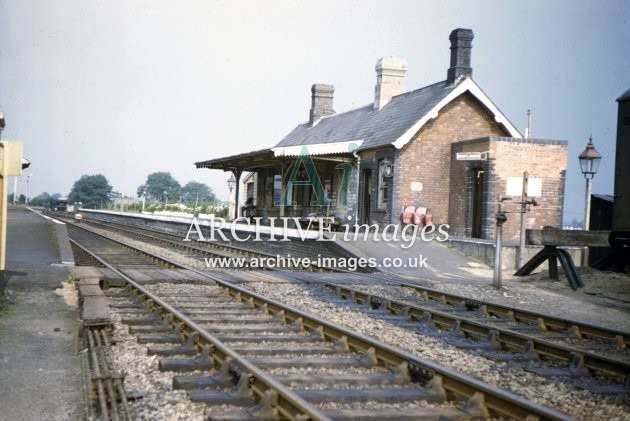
{"x":391,"y":124}
{"x":374,"y":127}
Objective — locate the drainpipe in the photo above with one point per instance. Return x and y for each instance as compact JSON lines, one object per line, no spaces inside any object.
{"x":356,"y":206}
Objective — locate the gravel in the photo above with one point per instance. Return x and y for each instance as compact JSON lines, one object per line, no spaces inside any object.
{"x":603,"y":308}
{"x":156,"y":399}
{"x":552,"y":392}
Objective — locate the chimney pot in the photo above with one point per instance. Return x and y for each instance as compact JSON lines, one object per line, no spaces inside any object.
{"x":390,"y":80}
{"x":461,"y":44}
{"x":321,"y":102}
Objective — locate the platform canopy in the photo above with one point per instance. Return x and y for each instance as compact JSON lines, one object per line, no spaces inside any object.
{"x":279,"y":157}
{"x":246,"y":161}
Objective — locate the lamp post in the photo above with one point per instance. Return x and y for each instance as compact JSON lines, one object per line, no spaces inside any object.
{"x":144,"y":196}
{"x":15,"y":184}
{"x":589,"y":163}
{"x":28,"y":178}
{"x":231,"y":185}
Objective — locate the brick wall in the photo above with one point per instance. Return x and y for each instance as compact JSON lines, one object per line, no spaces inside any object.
{"x":463,"y":175}
{"x":542,"y":159}
{"x":509,"y":157}
{"x":427,"y":157}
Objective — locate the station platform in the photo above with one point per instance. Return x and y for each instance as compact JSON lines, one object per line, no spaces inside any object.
{"x":423,"y":259}
{"x":41,"y":375}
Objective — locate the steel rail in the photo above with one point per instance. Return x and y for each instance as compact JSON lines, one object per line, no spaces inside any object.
{"x":497,"y":400}
{"x":118,"y":381}
{"x":457,"y":385}
{"x":107,"y":382}
{"x":169,"y":263}
{"x":205,"y":247}
{"x":130,"y":229}
{"x":289,"y":404}
{"x":220,"y":246}
{"x":511,"y":340}
{"x":546,"y":322}
{"x":98,"y":377}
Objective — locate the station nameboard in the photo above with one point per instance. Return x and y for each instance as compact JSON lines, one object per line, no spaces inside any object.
{"x":470,"y":156}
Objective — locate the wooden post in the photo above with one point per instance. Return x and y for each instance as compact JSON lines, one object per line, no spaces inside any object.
{"x":521,"y":247}
{"x":498,"y":251}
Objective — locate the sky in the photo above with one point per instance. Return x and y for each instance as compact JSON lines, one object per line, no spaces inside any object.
{"x":128,"y":88}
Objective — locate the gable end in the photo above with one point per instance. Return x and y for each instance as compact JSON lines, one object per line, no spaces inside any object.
{"x":467,"y":85}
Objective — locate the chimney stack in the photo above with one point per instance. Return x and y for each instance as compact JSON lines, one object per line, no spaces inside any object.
{"x":461,"y":44}
{"x":390,"y":80}
{"x":321,"y":102}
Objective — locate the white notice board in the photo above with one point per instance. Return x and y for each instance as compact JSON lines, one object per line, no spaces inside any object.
{"x":515,"y":186}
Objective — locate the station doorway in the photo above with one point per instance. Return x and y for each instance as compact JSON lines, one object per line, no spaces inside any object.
{"x":366,"y":178}
{"x":478,"y":193}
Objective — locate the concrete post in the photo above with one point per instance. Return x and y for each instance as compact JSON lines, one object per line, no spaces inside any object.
{"x":587,"y":218}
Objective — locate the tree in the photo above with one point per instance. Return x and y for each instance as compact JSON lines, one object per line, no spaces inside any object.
{"x":161,"y":186}
{"x":41,"y":200}
{"x":91,"y":190}
{"x":195,"y":192}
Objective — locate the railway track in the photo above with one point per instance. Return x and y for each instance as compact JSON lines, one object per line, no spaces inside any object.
{"x":501,"y":332}
{"x":192,"y":248}
{"x":264,"y":359}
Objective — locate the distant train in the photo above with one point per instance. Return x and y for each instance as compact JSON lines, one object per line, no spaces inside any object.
{"x":59,"y":205}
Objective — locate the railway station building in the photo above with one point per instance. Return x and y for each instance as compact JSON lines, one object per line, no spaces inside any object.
{"x":441,"y":153}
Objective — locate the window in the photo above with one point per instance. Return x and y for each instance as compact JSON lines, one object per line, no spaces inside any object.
{"x":298,"y":192}
{"x":302,"y":191}
{"x":277,"y":188}
{"x":250,"y":190}
{"x":385,"y":172}
{"x":328,"y":186}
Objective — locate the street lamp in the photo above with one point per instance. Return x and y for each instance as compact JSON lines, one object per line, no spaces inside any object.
{"x":231,"y":185}
{"x":589,"y":163}
{"x":144,"y":196}
{"x":28,"y":177}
